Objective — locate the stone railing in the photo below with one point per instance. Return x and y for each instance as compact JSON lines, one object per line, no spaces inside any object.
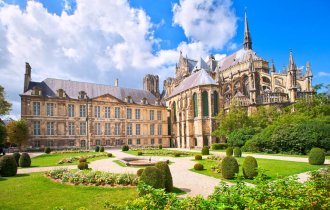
{"x":237,"y":101}
{"x":269,"y":98}
{"x":305,"y":94}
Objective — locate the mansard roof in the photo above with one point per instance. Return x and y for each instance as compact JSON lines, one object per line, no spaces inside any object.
{"x":197,"y":78}
{"x":72,"y":88}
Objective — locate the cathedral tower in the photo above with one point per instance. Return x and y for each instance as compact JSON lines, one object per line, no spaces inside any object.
{"x":151,"y":84}
{"x":27,"y":76}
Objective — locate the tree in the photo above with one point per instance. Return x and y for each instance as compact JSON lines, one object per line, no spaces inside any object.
{"x":5,"y":106}
{"x":18,"y":132}
{"x":3,"y":133}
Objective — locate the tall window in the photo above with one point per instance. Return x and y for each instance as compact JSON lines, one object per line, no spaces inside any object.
{"x":36,"y":108}
{"x":97,"y":129}
{"x":83,"y":143}
{"x":50,"y":143}
{"x":152,"y":141}
{"x":71,"y":128}
{"x":137,"y":129}
{"x":107,"y":129}
{"x":36,"y":128}
{"x":151,"y":114}
{"x":117,"y":112}
{"x":138,"y":141}
{"x":129,"y":141}
{"x":160,"y":141}
{"x":215,"y":103}
{"x":71,"y":143}
{"x":152,"y":129}
{"x":82,"y":110}
{"x":174,"y":111}
{"x":71,"y":110}
{"x":129,"y":128}
{"x":137,"y":114}
{"x":97,"y":111}
{"x":195,"y":105}
{"x":129,"y":113}
{"x":159,"y":115}
{"x":205,"y":104}
{"x":246,"y":87}
{"x":107,"y":112}
{"x":98,"y":142}
{"x":117,"y":129}
{"x":83,"y":128}
{"x":50,"y":128}
{"x":160,"y":129}
{"x":50,"y":109}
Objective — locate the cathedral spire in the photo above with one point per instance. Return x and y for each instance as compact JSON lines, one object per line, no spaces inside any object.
{"x":291,"y":62}
{"x":273,"y":67}
{"x":247,"y":38}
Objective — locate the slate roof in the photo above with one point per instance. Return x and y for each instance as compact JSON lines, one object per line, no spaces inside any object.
{"x":201,"y":64}
{"x":72,"y":88}
{"x":191,"y":64}
{"x":197,"y":78}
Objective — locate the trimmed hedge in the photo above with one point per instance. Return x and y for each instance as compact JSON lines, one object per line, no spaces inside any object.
{"x":250,"y":167}
{"x":82,"y":160}
{"x":229,"y":151}
{"x":316,"y":156}
{"x":25,"y":160}
{"x":160,"y":146}
{"x":47,"y":150}
{"x":198,"y":166}
{"x":205,"y":150}
{"x":237,"y":152}
{"x":109,"y":154}
{"x":125,"y":148}
{"x":16,"y":155}
{"x":152,"y":176}
{"x":8,"y":166}
{"x":198,"y":157}
{"x":140,"y":153}
{"x":229,"y":167}
{"x":139,"y":172}
{"x":102,"y":149}
{"x":218,"y":146}
{"x":97,"y":148}
{"x":82,"y":166}
{"x":167,"y":176}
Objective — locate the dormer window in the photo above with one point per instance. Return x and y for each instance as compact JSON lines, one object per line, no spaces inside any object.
{"x":61,"y":93}
{"x":36,"y":91}
{"x":157,"y":102}
{"x":82,"y":95}
{"x":129,"y":99}
{"x":144,"y":101}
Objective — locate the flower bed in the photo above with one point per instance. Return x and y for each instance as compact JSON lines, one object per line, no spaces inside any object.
{"x":70,"y":151}
{"x":72,"y":159}
{"x":96,"y":178}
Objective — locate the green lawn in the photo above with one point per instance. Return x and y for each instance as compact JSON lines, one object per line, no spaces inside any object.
{"x":53,"y":159}
{"x":35,"y":191}
{"x":161,"y":152}
{"x":118,"y":162}
{"x":274,"y":168}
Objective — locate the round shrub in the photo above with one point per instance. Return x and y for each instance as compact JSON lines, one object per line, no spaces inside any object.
{"x":198,"y":166}
{"x":83,"y":165}
{"x":237,"y":152}
{"x":198,"y":157}
{"x":205,"y":150}
{"x":160,"y":146}
{"x":229,"y":151}
{"x":250,"y":167}
{"x":25,"y":160}
{"x":8,"y":166}
{"x":97,"y":148}
{"x":125,"y":148}
{"x":102,"y":149}
{"x":139,"y":172}
{"x":109,"y":154}
{"x":47,"y":150}
{"x":167,"y":176}
{"x":229,"y":167}
{"x":152,"y":176}
{"x":140,"y":153}
{"x":176,"y":154}
{"x":16,"y":155}
{"x":82,"y":160}
{"x":316,"y":156}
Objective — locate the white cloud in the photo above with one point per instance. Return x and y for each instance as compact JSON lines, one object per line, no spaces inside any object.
{"x":324,"y":74}
{"x":212,"y":22}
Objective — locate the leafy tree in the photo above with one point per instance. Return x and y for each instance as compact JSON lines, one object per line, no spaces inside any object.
{"x":3,"y":133}
{"x":264,"y":116}
{"x":238,"y":137}
{"x":18,"y":132}
{"x":5,"y":106}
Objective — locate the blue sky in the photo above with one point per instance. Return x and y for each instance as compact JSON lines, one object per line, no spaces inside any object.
{"x":101,"y":40}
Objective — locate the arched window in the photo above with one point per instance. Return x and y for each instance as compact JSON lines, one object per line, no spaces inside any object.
{"x":215,"y":102}
{"x":195,"y":105}
{"x":205,"y":104}
{"x":265,"y":80}
{"x":246,"y":87}
{"x":174,"y":111}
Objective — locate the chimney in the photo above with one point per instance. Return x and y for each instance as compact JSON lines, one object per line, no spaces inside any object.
{"x":116,"y":83}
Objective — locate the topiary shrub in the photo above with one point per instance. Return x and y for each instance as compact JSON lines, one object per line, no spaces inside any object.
{"x":205,"y":150}
{"x":229,"y":151}
{"x":167,"y":176}
{"x":250,"y":167}
{"x":160,"y":146}
{"x":198,"y":157}
{"x":229,"y":167}
{"x":198,"y":166}
{"x":8,"y":166}
{"x":82,"y":166}
{"x":109,"y":154}
{"x":97,"y":148}
{"x":140,"y":153}
{"x":316,"y":156}
{"x":25,"y":160}
{"x":125,"y":148}
{"x":237,"y":152}
{"x":152,"y":176}
{"x":102,"y":149}
{"x":140,"y":171}
{"x":176,"y":154}
{"x":218,"y":146}
{"x":47,"y":150}
{"x":82,"y":160}
{"x":16,"y":155}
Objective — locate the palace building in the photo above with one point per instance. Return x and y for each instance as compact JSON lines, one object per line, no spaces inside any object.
{"x":64,"y":113}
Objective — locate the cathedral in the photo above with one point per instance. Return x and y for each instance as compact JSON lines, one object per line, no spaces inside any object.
{"x":72,"y":114}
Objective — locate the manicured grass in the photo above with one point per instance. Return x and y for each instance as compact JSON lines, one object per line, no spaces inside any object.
{"x":53,"y":159}
{"x":273,"y":168}
{"x":161,"y":152}
{"x":35,"y":191}
{"x":118,"y":162}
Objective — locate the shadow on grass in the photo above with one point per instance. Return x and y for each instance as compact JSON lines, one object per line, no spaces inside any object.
{"x":179,"y":191}
{"x":13,"y":177}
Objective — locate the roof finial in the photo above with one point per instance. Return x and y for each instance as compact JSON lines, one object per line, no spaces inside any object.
{"x":247,"y":38}
{"x":291,"y":61}
{"x":273,"y":66}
